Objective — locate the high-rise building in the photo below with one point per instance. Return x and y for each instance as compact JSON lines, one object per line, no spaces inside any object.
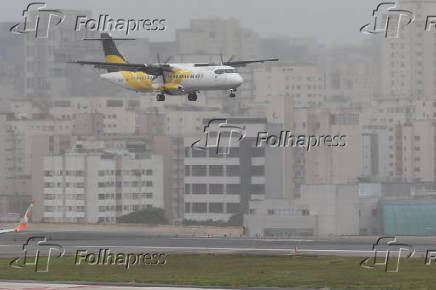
{"x":408,"y":62}
{"x":47,"y":71}
{"x":304,"y":82}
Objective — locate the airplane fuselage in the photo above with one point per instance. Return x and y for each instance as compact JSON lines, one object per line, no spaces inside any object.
{"x":185,"y":79}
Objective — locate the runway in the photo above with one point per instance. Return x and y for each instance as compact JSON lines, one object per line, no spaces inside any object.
{"x":43,"y":285}
{"x":124,"y":242}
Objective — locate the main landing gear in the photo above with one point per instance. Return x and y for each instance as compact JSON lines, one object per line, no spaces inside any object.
{"x":192,"y":96}
{"x":160,"y":97}
{"x":232,"y":93}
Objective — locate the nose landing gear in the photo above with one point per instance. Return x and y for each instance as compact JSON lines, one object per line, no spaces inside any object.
{"x":232,"y":93}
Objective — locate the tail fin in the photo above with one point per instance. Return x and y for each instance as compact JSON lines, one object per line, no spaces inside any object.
{"x":25,"y":220}
{"x":111,"y":53}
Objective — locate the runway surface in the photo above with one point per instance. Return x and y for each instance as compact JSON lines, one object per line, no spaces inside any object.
{"x":58,"y":286}
{"x":12,"y":244}
{"x":35,"y":285}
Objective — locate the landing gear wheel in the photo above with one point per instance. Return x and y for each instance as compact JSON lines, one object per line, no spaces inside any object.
{"x":192,"y":97}
{"x":160,"y":97}
{"x":232,"y":95}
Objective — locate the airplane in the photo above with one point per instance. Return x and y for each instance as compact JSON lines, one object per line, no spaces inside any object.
{"x":168,"y":78}
{"x":23,"y":223}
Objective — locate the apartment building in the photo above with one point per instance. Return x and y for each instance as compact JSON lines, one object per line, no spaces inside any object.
{"x":97,"y":186}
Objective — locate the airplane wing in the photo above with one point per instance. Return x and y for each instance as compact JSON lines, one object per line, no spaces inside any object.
{"x":245,"y":62}
{"x":152,"y":69}
{"x":238,"y":62}
{"x":24,"y":221}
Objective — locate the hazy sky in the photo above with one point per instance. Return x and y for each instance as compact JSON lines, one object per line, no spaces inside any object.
{"x":330,"y":21}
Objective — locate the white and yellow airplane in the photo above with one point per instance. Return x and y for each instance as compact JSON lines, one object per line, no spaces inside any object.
{"x":169,"y":78}
{"x":23,"y":223}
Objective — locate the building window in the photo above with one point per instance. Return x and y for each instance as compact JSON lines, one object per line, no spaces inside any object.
{"x":233,"y":188}
{"x":187,"y":170}
{"x":187,"y":189}
{"x":199,"y":170}
{"x":199,"y":189}
{"x":216,"y":170}
{"x":216,"y":188}
{"x":199,"y":207}
{"x":258,"y":170}
{"x":198,"y":153}
{"x":233,"y":170}
{"x":216,"y":207}
{"x":258,"y":152}
{"x":233,"y":208}
{"x":234,"y":152}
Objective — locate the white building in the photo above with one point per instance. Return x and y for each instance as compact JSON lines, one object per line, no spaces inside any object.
{"x":322,"y":210}
{"x":408,"y":63}
{"x":304,"y":82}
{"x":98,"y":187}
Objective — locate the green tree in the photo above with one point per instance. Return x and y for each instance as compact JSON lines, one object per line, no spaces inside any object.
{"x":153,"y":216}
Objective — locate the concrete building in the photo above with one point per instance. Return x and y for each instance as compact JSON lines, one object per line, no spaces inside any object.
{"x":350,"y":75}
{"x":322,"y":210}
{"x":47,"y":73}
{"x":111,"y":116}
{"x":304,"y":82}
{"x":172,"y":150}
{"x":97,"y":187}
{"x":407,"y":67}
{"x":219,"y":186}
{"x":325,"y":164}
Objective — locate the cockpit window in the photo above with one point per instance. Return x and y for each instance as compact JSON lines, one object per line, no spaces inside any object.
{"x":225,"y":71}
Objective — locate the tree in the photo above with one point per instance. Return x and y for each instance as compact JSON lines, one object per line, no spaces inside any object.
{"x":153,"y":216}
{"x":236,"y":220}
